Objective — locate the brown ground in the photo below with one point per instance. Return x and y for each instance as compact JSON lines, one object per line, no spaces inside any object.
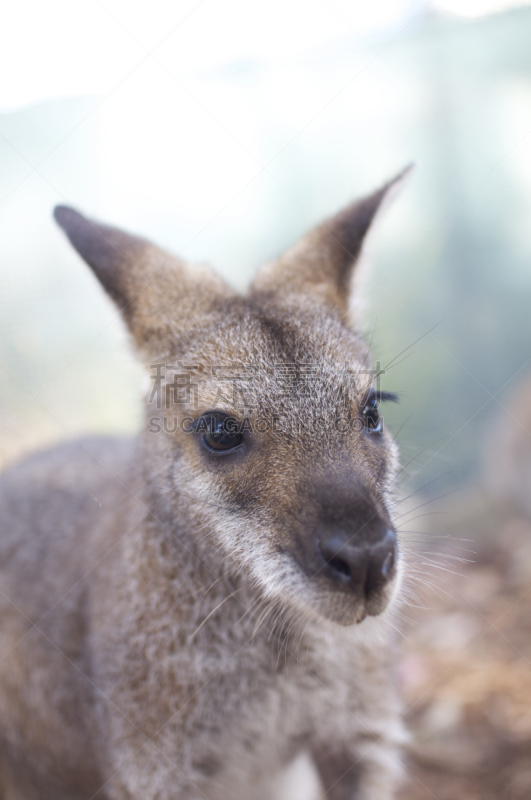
{"x":467,"y":664}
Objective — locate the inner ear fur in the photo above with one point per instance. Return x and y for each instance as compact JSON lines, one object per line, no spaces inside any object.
{"x":322,"y":263}
{"x":161,"y":296}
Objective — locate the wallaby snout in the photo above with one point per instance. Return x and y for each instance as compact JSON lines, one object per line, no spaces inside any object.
{"x":350,"y":550}
{"x":364,"y":569}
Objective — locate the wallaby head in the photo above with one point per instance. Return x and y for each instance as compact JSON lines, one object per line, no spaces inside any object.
{"x":264,"y":437}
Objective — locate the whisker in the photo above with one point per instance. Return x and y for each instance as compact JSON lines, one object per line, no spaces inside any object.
{"x":212,"y":613}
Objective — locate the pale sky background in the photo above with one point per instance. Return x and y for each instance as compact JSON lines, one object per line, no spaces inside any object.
{"x":62,"y":49}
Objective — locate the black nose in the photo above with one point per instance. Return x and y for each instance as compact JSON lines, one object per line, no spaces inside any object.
{"x":364,"y":567}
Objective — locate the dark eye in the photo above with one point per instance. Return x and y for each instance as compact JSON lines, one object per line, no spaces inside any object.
{"x":371,"y":417}
{"x":219,"y":434}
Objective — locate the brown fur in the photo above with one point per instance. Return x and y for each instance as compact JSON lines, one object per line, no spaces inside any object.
{"x":167,"y":628}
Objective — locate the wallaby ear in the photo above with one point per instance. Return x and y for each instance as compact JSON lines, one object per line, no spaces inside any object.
{"x":161,"y":296}
{"x":322,"y":263}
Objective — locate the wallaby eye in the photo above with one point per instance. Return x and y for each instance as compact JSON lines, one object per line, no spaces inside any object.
{"x":219,"y":433}
{"x":371,"y":416}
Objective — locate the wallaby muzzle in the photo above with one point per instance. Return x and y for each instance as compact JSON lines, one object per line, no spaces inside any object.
{"x":364,"y":569}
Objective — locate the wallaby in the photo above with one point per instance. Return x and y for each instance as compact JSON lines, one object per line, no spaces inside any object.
{"x":184,"y":614}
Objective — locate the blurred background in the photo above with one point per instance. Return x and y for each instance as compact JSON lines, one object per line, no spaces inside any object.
{"x":225,"y":130}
